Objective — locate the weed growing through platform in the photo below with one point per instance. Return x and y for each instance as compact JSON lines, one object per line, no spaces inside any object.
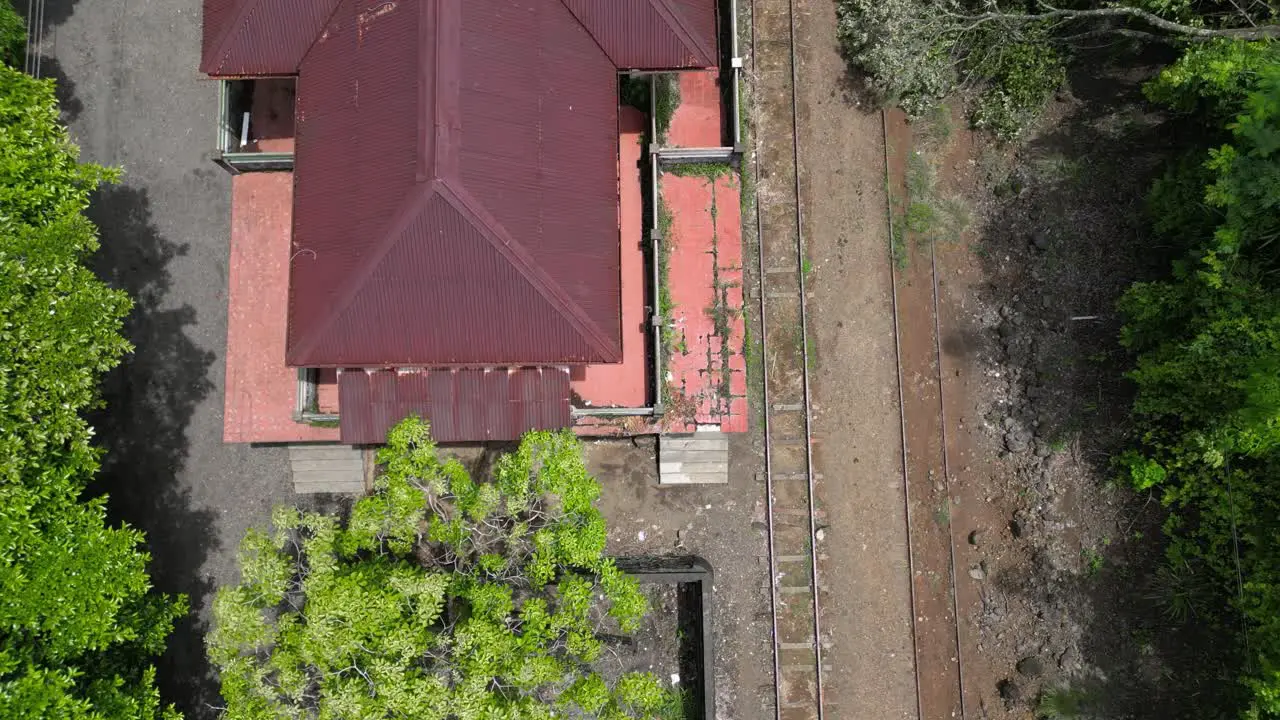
{"x":666,"y":91}
{"x":710,"y":170}
{"x":666,"y":305}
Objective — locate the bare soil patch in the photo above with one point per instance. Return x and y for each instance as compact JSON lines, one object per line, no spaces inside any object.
{"x":866,"y":606}
{"x":1057,"y":568}
{"x":722,"y":524}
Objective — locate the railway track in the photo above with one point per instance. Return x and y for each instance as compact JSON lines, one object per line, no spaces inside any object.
{"x":927,"y":474}
{"x":789,"y":473}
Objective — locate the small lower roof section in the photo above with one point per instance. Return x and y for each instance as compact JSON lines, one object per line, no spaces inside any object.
{"x":462,"y":405}
{"x":261,"y":391}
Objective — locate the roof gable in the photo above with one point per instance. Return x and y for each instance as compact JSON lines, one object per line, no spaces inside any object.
{"x":472,"y":221}
{"x":650,"y":34}
{"x":260,"y":37}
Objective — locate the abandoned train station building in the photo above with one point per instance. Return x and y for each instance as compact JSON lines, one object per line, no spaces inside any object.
{"x":460,"y":209}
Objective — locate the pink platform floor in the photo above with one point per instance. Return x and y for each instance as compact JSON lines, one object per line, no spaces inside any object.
{"x":707,"y":382}
{"x":698,"y":119}
{"x":261,"y":391}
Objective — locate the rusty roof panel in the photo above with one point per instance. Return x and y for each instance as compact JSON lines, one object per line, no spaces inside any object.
{"x":462,"y":405}
{"x":651,"y":34}
{"x":260,"y":37}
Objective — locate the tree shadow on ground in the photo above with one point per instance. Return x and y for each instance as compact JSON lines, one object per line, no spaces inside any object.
{"x":1070,"y":212}
{"x":148,"y":403}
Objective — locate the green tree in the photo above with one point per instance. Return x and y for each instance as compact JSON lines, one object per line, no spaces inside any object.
{"x":13,"y":35}
{"x":1207,"y":371}
{"x":439,"y":597}
{"x":915,"y":52}
{"x":78,"y":622}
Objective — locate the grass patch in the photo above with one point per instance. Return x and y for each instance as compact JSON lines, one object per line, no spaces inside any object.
{"x":935,"y":126}
{"x":666,"y":97}
{"x":711,"y":171}
{"x":1064,"y":703}
{"x":1093,"y":561}
{"x":928,"y":215}
{"x":942,"y":515}
{"x":666,"y":305}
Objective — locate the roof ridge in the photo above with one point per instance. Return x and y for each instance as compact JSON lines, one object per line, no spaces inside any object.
{"x":587,"y":30}
{"x":243,"y":11}
{"x":323,"y":27}
{"x":415,"y":200}
{"x":531,"y":271}
{"x":675,"y":20}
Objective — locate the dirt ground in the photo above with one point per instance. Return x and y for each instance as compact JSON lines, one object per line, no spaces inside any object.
{"x":724,"y":525}
{"x":1054,"y":565}
{"x":1030,"y":574}
{"x":856,"y":421}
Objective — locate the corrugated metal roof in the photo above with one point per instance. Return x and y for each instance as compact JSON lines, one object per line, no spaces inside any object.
{"x":260,"y":37}
{"x":461,"y":405}
{"x":652,"y":34}
{"x":456,"y":197}
{"x":456,"y":168}
{"x":270,"y":37}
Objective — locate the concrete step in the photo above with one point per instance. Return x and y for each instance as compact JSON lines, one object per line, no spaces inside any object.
{"x":698,"y":459}
{"x":327,"y":469}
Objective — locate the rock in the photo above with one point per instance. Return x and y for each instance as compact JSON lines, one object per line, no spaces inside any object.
{"x":1030,"y":666}
{"x":975,"y":537}
{"x":1015,"y":528}
{"x":1042,"y":449}
{"x":977,"y":573}
{"x":1040,"y":239}
{"x":1009,"y":692}
{"x":1017,"y":440}
{"x":1009,"y":422}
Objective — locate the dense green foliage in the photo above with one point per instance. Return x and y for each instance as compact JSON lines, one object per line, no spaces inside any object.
{"x":77,"y":620}
{"x":913,"y":53}
{"x":440,"y":597}
{"x":1207,"y":346}
{"x":13,"y":36}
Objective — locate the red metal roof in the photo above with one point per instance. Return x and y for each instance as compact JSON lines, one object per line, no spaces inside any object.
{"x":456,"y":195}
{"x":260,"y":37}
{"x":270,"y":37}
{"x":652,"y":34}
{"x":457,"y":185}
{"x":461,"y":405}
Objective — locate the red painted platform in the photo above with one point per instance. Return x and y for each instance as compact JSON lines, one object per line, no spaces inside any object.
{"x":707,"y":382}
{"x":261,"y":391}
{"x":698,"y":119}
{"x":624,"y":384}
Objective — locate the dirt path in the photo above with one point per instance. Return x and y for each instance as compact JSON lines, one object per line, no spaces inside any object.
{"x":856,"y":425}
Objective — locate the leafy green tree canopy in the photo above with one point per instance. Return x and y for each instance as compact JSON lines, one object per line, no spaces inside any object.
{"x":1207,"y":345}
{"x":78,"y":622}
{"x":913,"y":53}
{"x":440,"y":597}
